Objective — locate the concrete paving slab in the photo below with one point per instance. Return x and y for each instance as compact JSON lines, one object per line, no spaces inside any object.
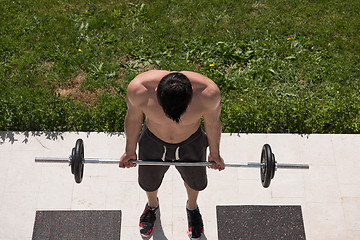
{"x":288,"y":184}
{"x":328,"y":192}
{"x":21,"y":174}
{"x":286,"y":148}
{"x":17,"y":215}
{"x":317,"y":149}
{"x":55,"y":194}
{"x":324,"y":221}
{"x":353,"y":235}
{"x":346,"y":149}
{"x":90,"y":194}
{"x":352,"y":213}
{"x":321,"y":184}
{"x":4,"y":160}
{"x":250,"y":192}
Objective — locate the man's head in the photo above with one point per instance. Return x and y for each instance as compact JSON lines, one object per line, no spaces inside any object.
{"x":174,"y":94}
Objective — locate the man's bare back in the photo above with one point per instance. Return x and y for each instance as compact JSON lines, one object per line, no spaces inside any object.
{"x":142,"y":100}
{"x":142,"y":91}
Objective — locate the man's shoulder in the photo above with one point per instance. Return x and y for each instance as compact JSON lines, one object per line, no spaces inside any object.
{"x":199,"y":80}
{"x":144,"y":80}
{"x":143,"y":85}
{"x":210,"y":96}
{"x":150,"y":75}
{"x":135,"y":87}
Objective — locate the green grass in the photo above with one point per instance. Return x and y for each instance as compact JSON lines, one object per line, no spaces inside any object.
{"x":282,"y":66}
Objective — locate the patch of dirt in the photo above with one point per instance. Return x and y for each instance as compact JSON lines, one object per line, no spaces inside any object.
{"x":47,"y":65}
{"x":75,"y":92}
{"x":257,"y":6}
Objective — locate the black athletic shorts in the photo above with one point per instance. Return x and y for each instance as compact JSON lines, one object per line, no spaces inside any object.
{"x":193,"y":149}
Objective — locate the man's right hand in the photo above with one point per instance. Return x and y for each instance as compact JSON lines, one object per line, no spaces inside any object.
{"x":125,"y":160}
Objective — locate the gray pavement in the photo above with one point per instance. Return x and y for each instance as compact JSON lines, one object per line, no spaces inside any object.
{"x":328,"y":192}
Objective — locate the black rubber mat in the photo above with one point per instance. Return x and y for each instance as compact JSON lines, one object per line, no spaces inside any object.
{"x":77,"y":225}
{"x":260,"y":222}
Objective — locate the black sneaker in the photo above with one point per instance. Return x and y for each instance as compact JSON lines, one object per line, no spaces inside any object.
{"x":195,"y":223}
{"x":147,"y":221}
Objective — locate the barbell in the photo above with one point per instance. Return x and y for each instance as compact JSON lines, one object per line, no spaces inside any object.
{"x":267,"y":164}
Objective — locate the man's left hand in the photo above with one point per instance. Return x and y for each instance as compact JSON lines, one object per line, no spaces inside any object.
{"x":218,"y":162}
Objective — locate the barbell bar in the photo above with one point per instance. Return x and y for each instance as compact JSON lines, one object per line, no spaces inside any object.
{"x":153,"y":163}
{"x":267,"y":164}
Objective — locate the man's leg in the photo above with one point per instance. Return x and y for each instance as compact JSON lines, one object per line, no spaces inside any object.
{"x":148,"y":217}
{"x":195,"y":223}
{"x":152,"y":198}
{"x":192,"y":197}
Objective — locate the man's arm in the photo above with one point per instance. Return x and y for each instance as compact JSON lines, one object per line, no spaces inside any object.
{"x":213,"y":126}
{"x":132,"y":124}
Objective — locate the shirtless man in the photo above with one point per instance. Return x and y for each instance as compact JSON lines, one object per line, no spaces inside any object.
{"x":173,"y":104}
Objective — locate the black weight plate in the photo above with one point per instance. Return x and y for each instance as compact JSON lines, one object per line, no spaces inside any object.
{"x":273,"y":165}
{"x":78,"y":160}
{"x":72,"y":160}
{"x":265,"y":170}
{"x":263,"y":165}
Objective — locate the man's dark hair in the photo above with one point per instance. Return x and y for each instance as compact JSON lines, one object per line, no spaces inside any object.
{"x":174,"y":94}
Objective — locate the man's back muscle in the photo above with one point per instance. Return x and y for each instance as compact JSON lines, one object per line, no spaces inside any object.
{"x":142,"y":91}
